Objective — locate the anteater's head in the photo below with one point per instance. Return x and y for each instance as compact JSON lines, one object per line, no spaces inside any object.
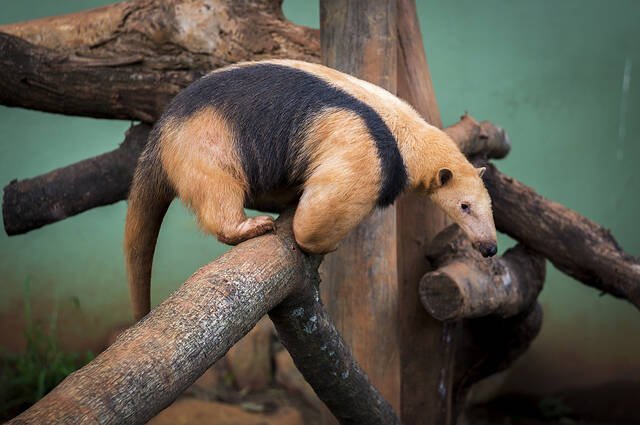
{"x":460,"y":192}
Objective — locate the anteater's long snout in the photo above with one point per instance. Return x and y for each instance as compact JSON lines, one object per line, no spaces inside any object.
{"x":488,"y":249}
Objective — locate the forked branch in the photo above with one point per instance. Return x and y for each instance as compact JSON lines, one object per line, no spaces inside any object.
{"x":152,"y":363}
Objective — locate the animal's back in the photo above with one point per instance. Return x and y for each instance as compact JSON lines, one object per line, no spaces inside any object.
{"x":270,"y":107}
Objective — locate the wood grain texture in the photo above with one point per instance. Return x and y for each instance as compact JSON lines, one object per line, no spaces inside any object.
{"x":306,"y":330}
{"x":466,"y":285}
{"x":489,"y":345}
{"x":574,"y":244}
{"x":427,"y":347}
{"x":153,"y":362}
{"x":147,"y":50}
{"x":32,"y":203}
{"x":360,"y":278}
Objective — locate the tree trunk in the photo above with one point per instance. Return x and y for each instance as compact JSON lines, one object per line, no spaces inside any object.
{"x":360,"y":289}
{"x":490,"y":345}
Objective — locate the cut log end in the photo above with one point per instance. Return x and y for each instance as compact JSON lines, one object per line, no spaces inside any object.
{"x":465,"y":285}
{"x":441,"y":295}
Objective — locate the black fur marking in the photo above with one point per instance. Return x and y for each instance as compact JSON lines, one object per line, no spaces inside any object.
{"x":269,"y":107}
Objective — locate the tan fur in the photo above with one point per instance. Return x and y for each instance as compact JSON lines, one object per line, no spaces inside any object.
{"x":341,"y":185}
{"x":202,"y":164}
{"x":343,"y":180}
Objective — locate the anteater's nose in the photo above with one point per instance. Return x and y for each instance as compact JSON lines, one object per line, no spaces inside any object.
{"x":487,"y":249}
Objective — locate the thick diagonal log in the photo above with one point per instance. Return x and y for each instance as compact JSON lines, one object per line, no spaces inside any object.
{"x":39,"y":78}
{"x":574,"y":244}
{"x":151,"y":363}
{"x":466,"y":285}
{"x":32,"y":203}
{"x":127,"y":60}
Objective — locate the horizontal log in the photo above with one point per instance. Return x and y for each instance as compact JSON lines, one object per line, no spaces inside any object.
{"x":127,"y":60}
{"x":38,"y":78}
{"x":574,"y":244}
{"x":152,"y":363}
{"x":32,"y":203}
{"x":466,"y":285}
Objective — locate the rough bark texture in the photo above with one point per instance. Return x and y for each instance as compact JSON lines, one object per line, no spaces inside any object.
{"x":147,"y":50}
{"x":32,"y":203}
{"x":465,"y":285}
{"x":427,"y":359}
{"x":489,"y":345}
{"x":151,"y":363}
{"x":574,"y":244}
{"x":360,"y":278}
{"x":319,"y":352}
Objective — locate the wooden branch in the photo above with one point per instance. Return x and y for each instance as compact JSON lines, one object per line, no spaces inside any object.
{"x":482,"y":139}
{"x":355,"y":35}
{"x":151,"y":363}
{"x":318,"y":350}
{"x":574,"y":244}
{"x":39,"y":78}
{"x":127,"y":60}
{"x":465,"y":285}
{"x":489,"y":345}
{"x":32,"y":203}
{"x":414,"y":78}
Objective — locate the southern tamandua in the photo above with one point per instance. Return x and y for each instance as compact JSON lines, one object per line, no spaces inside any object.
{"x":265,"y":134}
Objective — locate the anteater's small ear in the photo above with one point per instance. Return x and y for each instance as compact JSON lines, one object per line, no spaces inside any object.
{"x":481,"y":171}
{"x":444,"y":175}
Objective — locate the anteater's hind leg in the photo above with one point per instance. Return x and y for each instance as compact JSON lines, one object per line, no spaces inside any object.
{"x":201,"y":161}
{"x":218,"y":201}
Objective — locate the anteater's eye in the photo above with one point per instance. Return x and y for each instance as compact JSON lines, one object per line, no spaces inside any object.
{"x":465,"y":207}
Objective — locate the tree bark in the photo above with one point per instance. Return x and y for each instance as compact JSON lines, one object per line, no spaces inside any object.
{"x":360,"y":290}
{"x":574,"y":244}
{"x":32,"y":203}
{"x":147,"y":50}
{"x":465,"y":285}
{"x":489,"y":345}
{"x":152,"y":363}
{"x":306,"y":330}
{"x":418,"y":222}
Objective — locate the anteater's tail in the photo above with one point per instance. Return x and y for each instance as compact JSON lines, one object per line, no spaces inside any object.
{"x":149,"y":198}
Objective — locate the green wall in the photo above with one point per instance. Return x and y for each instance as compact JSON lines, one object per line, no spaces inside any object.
{"x":552,"y":73}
